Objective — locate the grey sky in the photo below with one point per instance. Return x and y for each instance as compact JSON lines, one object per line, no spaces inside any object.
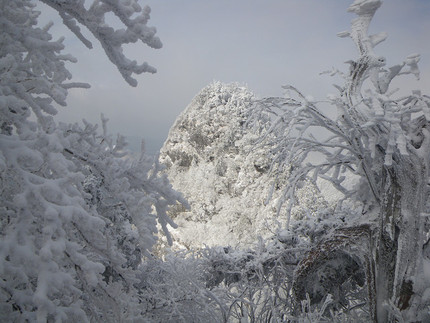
{"x":261,"y":44}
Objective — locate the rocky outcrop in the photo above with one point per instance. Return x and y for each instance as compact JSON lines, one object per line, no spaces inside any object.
{"x":211,"y":157}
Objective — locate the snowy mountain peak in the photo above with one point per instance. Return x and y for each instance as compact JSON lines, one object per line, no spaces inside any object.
{"x":212,"y":158}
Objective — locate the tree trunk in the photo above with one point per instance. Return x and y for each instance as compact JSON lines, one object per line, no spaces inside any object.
{"x":386,"y":252}
{"x":399,"y":245}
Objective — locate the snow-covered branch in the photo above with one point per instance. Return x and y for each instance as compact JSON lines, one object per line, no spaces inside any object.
{"x":92,"y":15}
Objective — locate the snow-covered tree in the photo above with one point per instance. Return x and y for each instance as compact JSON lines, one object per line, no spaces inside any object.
{"x":375,"y":152}
{"x":76,"y":213}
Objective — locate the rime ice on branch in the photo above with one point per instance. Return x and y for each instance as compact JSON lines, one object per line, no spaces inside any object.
{"x":129,"y":12}
{"x":376,"y":137}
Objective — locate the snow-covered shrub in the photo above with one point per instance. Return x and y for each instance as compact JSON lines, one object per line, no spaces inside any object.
{"x":175,"y":290}
{"x":223,"y":284}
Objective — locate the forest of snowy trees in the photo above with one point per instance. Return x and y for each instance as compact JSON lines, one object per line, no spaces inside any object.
{"x":82,"y":218}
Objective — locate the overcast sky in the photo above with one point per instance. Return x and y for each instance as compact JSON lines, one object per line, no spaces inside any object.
{"x":260,"y":44}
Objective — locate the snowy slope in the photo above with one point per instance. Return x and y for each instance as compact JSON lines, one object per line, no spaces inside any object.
{"x":212,"y":158}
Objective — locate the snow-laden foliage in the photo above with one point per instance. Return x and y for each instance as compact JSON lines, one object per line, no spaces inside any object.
{"x":380,"y":139}
{"x":77,"y":212}
{"x":223,"y":284}
{"x":122,"y":187}
{"x":92,"y":15}
{"x":176,"y":291}
{"x":33,"y":72}
{"x":211,"y":157}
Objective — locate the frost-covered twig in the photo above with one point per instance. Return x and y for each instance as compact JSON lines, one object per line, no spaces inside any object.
{"x":93,"y":17}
